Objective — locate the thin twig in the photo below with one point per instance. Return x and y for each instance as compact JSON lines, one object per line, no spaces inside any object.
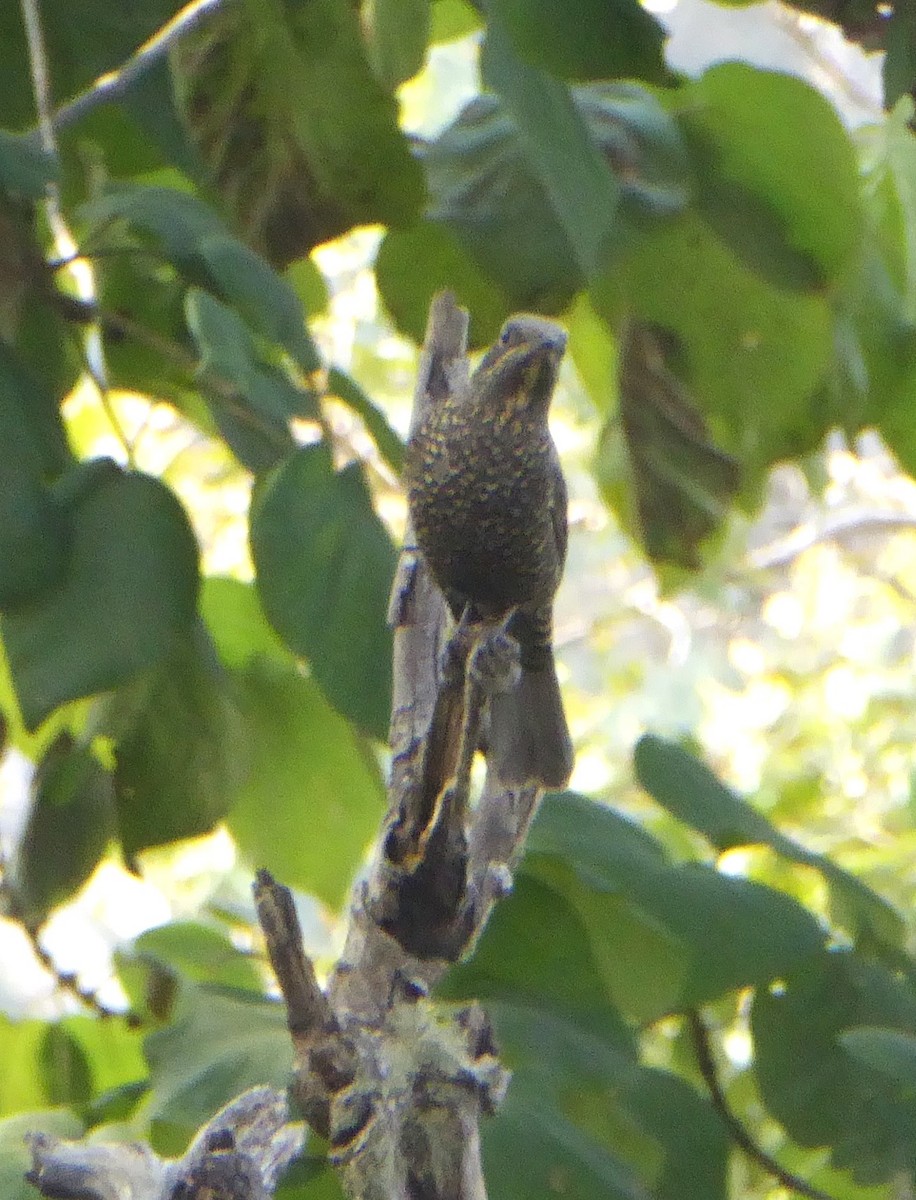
{"x":114,"y":84}
{"x":65,"y":244}
{"x":740,"y":1136}
{"x":65,"y":981}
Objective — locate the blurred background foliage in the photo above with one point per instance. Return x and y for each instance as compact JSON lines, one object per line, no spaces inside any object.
{"x":215,"y":265}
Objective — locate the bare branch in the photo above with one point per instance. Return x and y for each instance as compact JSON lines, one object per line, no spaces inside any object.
{"x":114,"y":84}
{"x":238,"y":1155}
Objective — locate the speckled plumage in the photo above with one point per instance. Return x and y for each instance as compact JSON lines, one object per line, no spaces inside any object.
{"x":488,"y":503}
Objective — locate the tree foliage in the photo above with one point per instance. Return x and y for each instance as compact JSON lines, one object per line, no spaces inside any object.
{"x":737,"y":273}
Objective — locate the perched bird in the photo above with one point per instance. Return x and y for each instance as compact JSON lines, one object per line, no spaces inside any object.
{"x":488,"y":503}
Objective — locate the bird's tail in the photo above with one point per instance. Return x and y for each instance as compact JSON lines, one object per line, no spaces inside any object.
{"x":529,"y":740}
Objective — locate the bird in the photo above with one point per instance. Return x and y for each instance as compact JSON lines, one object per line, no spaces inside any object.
{"x":488,"y":505}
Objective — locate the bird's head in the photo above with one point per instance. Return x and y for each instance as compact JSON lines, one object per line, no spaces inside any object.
{"x":517,"y":374}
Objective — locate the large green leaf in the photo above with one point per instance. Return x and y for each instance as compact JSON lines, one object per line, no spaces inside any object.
{"x":25,"y":168}
{"x":128,"y":593}
{"x":396,"y":35}
{"x":579,"y":1107}
{"x":413,"y":264}
{"x":233,"y":615}
{"x":325,"y":563}
{"x":733,"y":327}
{"x":689,"y":790}
{"x":219,"y":1044}
{"x":564,"y":159}
{"x":34,"y":526}
{"x":255,"y":419}
{"x":541,"y":194}
{"x":776,"y":173}
{"x":194,"y":238}
{"x":886,"y":1050}
{"x":585,"y":39}
{"x":300,"y":139}
{"x":31,"y":430}
{"x":685,"y":933}
{"x":561,"y":977}
{"x":34,"y":536}
{"x":78,"y":52}
{"x":64,"y":1067}
{"x":199,"y":953}
{"x":680,"y":484}
{"x":70,"y":822}
{"x":314,"y":796}
{"x":826,"y":1090}
{"x":183,"y":751}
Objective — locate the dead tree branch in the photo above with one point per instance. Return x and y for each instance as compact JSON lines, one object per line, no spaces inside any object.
{"x":396,"y":1083}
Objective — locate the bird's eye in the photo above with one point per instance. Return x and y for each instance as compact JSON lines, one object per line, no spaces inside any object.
{"x":506,"y":336}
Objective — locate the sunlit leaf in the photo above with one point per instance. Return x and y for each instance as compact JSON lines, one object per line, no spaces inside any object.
{"x":588,"y":39}
{"x":325,"y":563}
{"x":183,"y":753}
{"x":129,"y":592}
{"x":218,"y":1045}
{"x":322,"y":794}
{"x":70,"y":822}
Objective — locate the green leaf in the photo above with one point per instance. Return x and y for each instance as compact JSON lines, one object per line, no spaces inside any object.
{"x":264,"y":298}
{"x":686,"y":1125}
{"x":567,"y":1046}
{"x":502,"y":185}
{"x":300,"y":139}
{"x":900,"y":57}
{"x":809,"y":1080}
{"x":886,"y":1050}
{"x":114,"y":1051}
{"x":310,"y":773}
{"x":64,"y":1067}
{"x":128,"y":594}
{"x":233,"y":615}
{"x":686,"y":787}
{"x":701,"y":933}
{"x":776,"y":173}
{"x":562,"y":978}
{"x":21,"y":1084}
{"x":176,"y":220}
{"x":413,"y":264}
{"x":200,"y":954}
{"x":588,"y":39}
{"x":218,"y":1045}
{"x":255,"y":419}
{"x":183,"y":754}
{"x":576,"y":1085}
{"x":533,"y":1151}
{"x":559,"y":150}
{"x":34,"y":537}
{"x":689,"y":790}
{"x":452,"y":19}
{"x":324,"y":567}
{"x":78,"y":52}
{"x":70,"y":823}
{"x":396,"y":35}
{"x":31,"y":431}
{"x":389,"y":444}
{"x":681,"y":482}
{"x":733,"y":328}
{"x":194,"y":238}
{"x":25,"y":168}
